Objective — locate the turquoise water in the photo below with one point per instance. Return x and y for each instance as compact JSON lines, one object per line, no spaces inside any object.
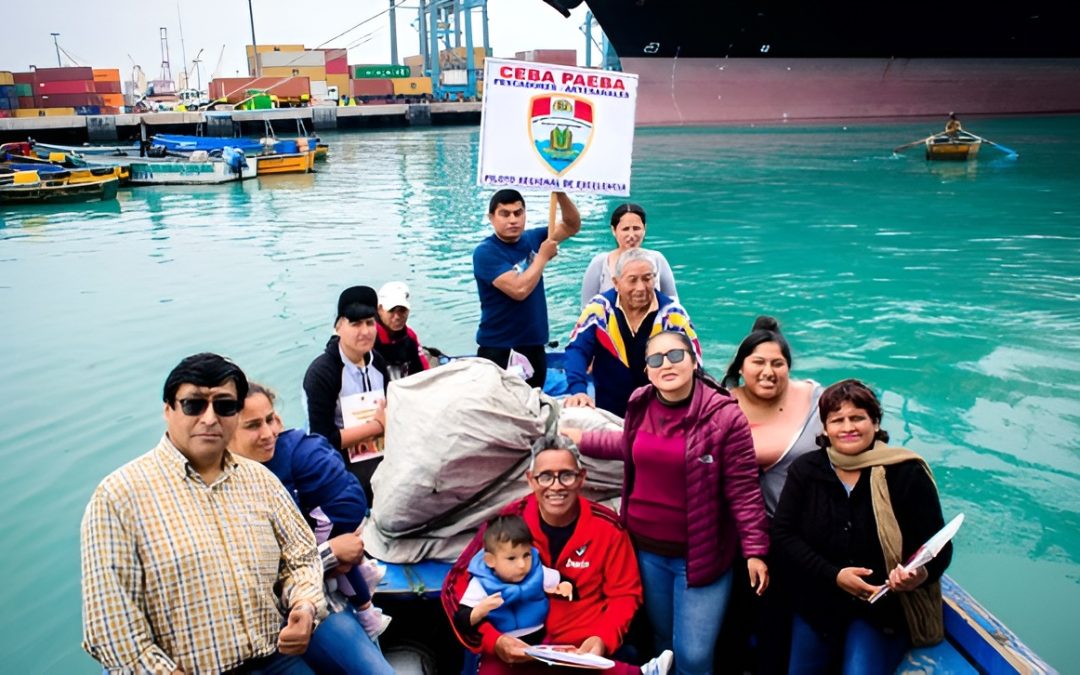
{"x":953,"y":289}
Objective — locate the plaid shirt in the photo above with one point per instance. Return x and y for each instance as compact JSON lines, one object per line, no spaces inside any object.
{"x":179,"y":574}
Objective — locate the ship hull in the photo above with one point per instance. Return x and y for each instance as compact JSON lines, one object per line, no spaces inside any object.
{"x":709,"y":61}
{"x":700,"y":91}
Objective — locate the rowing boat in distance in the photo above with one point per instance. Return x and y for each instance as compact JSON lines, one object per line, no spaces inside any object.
{"x":958,"y":147}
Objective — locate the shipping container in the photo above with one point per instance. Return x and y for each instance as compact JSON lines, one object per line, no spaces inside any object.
{"x":27,"y":102}
{"x":106,"y":74}
{"x":411,"y":86}
{"x":263,"y":49}
{"x":337,"y":66}
{"x":67,"y":100}
{"x":63,"y":74}
{"x":88,"y":110}
{"x":308,"y":59}
{"x":112,"y":100}
{"x":8,"y":91}
{"x":22,"y":89}
{"x":379,"y":71}
{"x":7,"y":77}
{"x":310,"y":73}
{"x":4,"y":114}
{"x":455,"y":77}
{"x":23,"y":78}
{"x":339,"y":81}
{"x":234,"y":89}
{"x":8,"y":103}
{"x":371,"y":87}
{"x":45,"y":112}
{"x":101,"y":87}
{"x":64,"y":87}
{"x":456,"y":58}
{"x":557,"y":57}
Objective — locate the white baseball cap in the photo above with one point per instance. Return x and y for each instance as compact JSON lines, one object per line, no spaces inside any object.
{"x":394,"y":294}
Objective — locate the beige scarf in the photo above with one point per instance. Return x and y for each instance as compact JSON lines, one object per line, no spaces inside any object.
{"x":922,"y":606}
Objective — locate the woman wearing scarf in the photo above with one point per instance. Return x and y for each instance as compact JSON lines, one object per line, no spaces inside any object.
{"x":850,"y":515}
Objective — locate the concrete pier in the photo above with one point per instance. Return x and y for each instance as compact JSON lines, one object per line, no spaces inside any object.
{"x":106,"y":129}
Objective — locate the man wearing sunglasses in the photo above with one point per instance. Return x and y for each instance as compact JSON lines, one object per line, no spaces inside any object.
{"x":580,"y":539}
{"x":182,"y":548}
{"x":612,"y":332}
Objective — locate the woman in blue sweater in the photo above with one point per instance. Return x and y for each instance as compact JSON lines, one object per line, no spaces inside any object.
{"x":332,"y":501}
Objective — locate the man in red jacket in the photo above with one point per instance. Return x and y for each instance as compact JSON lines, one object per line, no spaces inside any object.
{"x":580,"y":539}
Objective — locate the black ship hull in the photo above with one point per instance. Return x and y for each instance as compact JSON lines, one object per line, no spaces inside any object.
{"x":710,"y":61}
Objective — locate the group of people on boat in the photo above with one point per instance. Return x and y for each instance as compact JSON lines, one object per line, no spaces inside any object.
{"x":756,"y":510}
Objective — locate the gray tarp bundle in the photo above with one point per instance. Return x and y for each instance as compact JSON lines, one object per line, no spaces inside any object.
{"x":457,"y":447}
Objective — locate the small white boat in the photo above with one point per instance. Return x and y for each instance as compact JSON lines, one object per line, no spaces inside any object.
{"x":178,"y":171}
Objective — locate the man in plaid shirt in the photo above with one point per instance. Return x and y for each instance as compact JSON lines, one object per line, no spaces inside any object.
{"x":186,"y":549}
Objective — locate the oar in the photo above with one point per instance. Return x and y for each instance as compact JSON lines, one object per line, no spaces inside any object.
{"x":1012,"y":154}
{"x":913,"y":143}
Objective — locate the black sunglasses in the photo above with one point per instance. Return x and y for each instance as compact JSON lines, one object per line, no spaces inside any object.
{"x":223,"y":407}
{"x":673,"y":355}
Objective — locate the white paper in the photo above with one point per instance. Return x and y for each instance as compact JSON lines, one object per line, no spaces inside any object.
{"x":356,"y":409}
{"x":564,"y":655}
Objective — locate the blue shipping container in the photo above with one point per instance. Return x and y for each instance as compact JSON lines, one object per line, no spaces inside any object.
{"x":88,"y":110}
{"x":8,"y":91}
{"x":9,"y":103}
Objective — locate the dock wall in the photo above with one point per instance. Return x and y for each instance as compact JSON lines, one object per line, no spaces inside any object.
{"x":106,"y":129}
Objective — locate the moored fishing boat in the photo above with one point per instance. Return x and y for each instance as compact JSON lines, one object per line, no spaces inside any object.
{"x":293,"y":162}
{"x":59,"y":191}
{"x":192,"y":171}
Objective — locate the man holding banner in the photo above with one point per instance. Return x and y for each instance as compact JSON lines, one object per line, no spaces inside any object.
{"x":509,"y":269}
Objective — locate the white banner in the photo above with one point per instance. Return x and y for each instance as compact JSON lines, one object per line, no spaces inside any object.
{"x":548,"y":127}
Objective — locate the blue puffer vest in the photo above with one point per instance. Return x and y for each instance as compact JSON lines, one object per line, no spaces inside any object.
{"x":524,"y":604}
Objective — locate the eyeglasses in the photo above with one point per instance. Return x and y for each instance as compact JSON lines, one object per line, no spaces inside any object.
{"x":673,"y":356}
{"x":223,"y":407}
{"x":566,"y":478}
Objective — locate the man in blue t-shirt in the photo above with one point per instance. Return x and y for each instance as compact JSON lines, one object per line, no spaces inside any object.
{"x":509,"y":270}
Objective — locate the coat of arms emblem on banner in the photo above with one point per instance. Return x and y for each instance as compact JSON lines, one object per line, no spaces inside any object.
{"x":560,"y":128}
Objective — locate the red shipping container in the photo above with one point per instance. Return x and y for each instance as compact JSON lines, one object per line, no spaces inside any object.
{"x":23,"y":78}
{"x":234,"y":89}
{"x":4,"y":114}
{"x":371,"y":87}
{"x":101,"y":87}
{"x":63,"y":74}
{"x":337,"y":66}
{"x":68,"y":100}
{"x":27,"y":102}
{"x":64,"y":87}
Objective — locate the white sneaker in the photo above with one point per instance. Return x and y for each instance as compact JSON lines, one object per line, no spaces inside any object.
{"x":373,"y":573}
{"x":660,"y":665}
{"x":373,"y":620}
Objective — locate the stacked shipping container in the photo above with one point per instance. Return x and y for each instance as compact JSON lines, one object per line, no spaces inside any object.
{"x":66,"y":91}
{"x":9,"y":97}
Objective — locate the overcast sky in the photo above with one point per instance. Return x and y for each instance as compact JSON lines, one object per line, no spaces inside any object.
{"x":116,"y":33}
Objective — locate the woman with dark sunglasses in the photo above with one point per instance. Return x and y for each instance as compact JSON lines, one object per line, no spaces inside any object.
{"x":690,"y":498}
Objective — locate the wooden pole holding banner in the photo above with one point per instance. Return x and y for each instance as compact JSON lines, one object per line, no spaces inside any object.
{"x":551,"y":216}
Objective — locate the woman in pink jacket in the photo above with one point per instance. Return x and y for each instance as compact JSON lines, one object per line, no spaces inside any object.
{"x":690,"y":496}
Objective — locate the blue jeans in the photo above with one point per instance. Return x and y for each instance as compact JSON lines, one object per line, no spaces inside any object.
{"x":340,"y":645}
{"x":685,"y":620}
{"x":276,"y":664}
{"x":862,"y":650}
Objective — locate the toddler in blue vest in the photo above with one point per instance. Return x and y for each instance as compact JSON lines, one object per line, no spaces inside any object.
{"x":509,"y":586}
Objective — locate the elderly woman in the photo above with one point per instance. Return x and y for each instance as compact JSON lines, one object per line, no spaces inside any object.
{"x":628,"y":228}
{"x":784,"y":423}
{"x":690,"y":498}
{"x":332,"y":501}
{"x":849,"y":516}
